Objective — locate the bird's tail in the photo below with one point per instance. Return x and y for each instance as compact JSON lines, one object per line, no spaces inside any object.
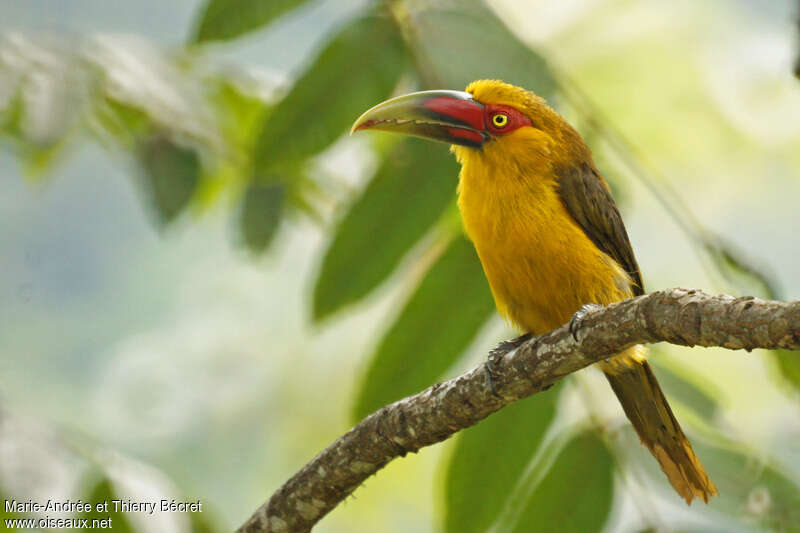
{"x":646,"y":407}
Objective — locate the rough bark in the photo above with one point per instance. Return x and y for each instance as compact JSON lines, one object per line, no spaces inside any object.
{"x":677,"y":316}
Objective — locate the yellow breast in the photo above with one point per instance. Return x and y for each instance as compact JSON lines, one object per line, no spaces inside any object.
{"x":540,"y":264}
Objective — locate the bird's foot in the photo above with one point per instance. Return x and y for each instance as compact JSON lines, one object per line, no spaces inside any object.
{"x":577,"y":319}
{"x":503,"y":348}
{"x":487,"y":368}
{"x":506,"y":346}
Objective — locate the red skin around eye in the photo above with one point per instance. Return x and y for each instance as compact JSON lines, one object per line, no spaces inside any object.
{"x":516,"y":119}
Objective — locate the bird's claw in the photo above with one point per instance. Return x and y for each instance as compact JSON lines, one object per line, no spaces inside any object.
{"x":503,"y":348}
{"x":577,"y":319}
{"x":506,"y":346}
{"x":487,"y":368}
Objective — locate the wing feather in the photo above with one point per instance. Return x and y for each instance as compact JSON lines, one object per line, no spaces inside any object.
{"x":587,"y":197}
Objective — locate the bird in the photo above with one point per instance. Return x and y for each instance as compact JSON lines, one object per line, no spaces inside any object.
{"x":548,"y":234}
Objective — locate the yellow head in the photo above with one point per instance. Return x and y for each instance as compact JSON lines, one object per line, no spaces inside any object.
{"x":542,"y":139}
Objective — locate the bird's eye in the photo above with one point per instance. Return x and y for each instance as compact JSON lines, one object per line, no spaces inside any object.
{"x":500,"y":120}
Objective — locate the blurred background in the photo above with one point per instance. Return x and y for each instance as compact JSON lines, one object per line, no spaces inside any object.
{"x":204,"y":282}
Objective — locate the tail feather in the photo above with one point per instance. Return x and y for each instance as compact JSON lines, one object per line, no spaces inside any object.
{"x":647,"y":409}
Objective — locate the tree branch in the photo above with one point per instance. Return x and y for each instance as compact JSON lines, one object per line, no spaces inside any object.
{"x":677,"y":316}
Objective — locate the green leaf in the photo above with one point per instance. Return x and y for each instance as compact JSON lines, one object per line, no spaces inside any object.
{"x":101,"y":492}
{"x":242,"y":113}
{"x":123,"y":122}
{"x":410,"y":191}
{"x":261,"y":214}
{"x":358,"y":69}
{"x":202,"y":523}
{"x":11,"y":116}
{"x":36,"y":158}
{"x":479,"y":480}
{"x":576,"y":494}
{"x":226,"y":19}
{"x":439,"y":321}
{"x":750,"y":489}
{"x":171,"y":174}
{"x":7,"y":515}
{"x":455,"y":46}
{"x":788,"y":364}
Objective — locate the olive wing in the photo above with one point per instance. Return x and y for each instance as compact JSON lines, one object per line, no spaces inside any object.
{"x":587,"y":198}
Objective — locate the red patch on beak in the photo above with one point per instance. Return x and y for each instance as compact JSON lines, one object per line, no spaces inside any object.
{"x":464,"y":110}
{"x":469,"y":135}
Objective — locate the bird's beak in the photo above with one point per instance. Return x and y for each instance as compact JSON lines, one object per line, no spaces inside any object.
{"x":447,"y":116}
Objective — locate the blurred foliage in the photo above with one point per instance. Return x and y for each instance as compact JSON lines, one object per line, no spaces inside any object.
{"x":682,"y":387}
{"x":196,"y":134}
{"x":753,"y":491}
{"x":439,"y":321}
{"x":171,"y":174}
{"x":797,"y":60}
{"x":4,"y":514}
{"x":454,"y":44}
{"x":103,"y":491}
{"x":750,"y":489}
{"x":201,"y":524}
{"x":261,"y":213}
{"x":788,"y":367}
{"x":225,"y":19}
{"x":96,"y":476}
{"x":423,"y":176}
{"x":371,"y":51}
{"x":576,"y":493}
{"x":737,"y":271}
{"x":476,"y":496}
